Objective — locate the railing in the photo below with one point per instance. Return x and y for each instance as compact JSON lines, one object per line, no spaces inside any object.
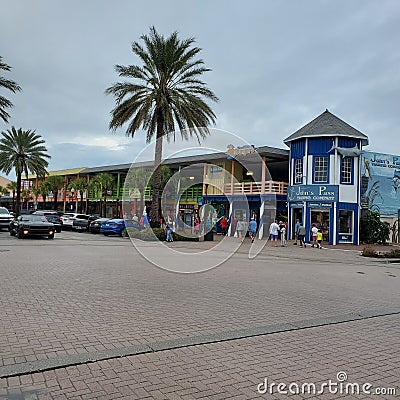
{"x":270,"y":187}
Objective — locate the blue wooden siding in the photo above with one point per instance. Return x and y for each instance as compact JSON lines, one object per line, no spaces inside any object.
{"x":345,"y":142}
{"x":320,"y":146}
{"x":298,"y":148}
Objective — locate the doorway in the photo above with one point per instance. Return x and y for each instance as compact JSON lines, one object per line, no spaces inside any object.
{"x":321,"y":220}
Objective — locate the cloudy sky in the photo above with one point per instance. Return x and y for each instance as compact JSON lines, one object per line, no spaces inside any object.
{"x":276,"y":65}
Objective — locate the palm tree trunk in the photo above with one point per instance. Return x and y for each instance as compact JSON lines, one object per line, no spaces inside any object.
{"x":155,"y":198}
{"x":141,"y":210}
{"x":13,"y":201}
{"x":55,"y":199}
{"x":18,"y":199}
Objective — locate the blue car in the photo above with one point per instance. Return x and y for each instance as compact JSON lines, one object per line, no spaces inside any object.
{"x":113,"y":227}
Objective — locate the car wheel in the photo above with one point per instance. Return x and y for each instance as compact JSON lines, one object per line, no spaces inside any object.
{"x":12,"y":233}
{"x":58,"y":230}
{"x":51,"y":236}
{"x":20,"y":235}
{"x":105,"y":233}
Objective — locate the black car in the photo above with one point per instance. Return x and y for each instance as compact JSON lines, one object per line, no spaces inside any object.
{"x":31,"y":225}
{"x":53,"y":217}
{"x":94,"y":226}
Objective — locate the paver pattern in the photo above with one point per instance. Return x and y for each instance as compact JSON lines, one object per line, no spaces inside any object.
{"x":84,"y":294}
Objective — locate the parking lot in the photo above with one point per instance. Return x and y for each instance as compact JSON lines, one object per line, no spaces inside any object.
{"x":85,"y":316}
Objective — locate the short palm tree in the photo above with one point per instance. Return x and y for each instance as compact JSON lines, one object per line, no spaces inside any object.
{"x":45,"y":190}
{"x":102,"y":182}
{"x":23,"y":151}
{"x":12,"y":188}
{"x":9,"y":85}
{"x":167,"y":93}
{"x":55,"y":183}
{"x":80,"y":185}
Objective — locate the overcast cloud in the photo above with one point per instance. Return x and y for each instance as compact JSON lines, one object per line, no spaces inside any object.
{"x":276,"y":65}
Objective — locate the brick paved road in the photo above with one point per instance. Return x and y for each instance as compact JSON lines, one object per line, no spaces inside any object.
{"x":80,"y":295}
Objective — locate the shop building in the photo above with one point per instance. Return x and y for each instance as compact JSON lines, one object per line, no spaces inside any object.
{"x":324,"y":178}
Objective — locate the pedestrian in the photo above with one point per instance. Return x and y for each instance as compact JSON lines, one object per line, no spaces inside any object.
{"x":302,"y":235}
{"x":319,"y":238}
{"x":283,"y":235}
{"x":314,"y":231}
{"x":169,"y":228}
{"x":273,"y":232}
{"x":224,"y":225}
{"x":296,"y":231}
{"x":252,"y":229}
{"x":241,"y":228}
{"x":196,"y":226}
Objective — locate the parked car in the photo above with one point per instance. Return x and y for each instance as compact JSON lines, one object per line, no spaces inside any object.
{"x":53,"y":217}
{"x":69,"y":218}
{"x":113,"y":226}
{"x":31,"y":225}
{"x":5,"y":218}
{"x":94,"y":226}
{"x":82,"y":221}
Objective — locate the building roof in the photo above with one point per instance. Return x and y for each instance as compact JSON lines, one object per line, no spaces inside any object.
{"x":272,"y":154}
{"x":62,"y":172}
{"x":327,"y":124}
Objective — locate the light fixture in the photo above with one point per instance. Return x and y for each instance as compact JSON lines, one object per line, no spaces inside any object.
{"x":191,"y":177}
{"x":249,"y":173}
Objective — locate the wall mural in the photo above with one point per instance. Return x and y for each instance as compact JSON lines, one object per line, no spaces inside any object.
{"x":380,"y":183}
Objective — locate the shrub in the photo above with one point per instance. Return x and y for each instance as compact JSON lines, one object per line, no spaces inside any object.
{"x":372,"y":229}
{"x":369,"y":252}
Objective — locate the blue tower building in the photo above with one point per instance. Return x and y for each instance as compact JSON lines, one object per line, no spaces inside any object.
{"x":324,"y":178}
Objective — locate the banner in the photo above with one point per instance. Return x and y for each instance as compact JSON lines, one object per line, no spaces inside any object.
{"x":380,"y":183}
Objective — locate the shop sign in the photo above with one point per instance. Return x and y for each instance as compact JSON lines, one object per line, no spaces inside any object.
{"x":239,"y":151}
{"x":319,"y":205}
{"x":296,"y":205}
{"x":313,"y":193}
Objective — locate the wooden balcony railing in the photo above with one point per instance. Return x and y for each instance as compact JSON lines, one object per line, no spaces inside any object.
{"x":270,"y":187}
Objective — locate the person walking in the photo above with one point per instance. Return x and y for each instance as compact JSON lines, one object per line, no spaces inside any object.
{"x":252,"y":229}
{"x":241,"y":228}
{"x":273,"y":232}
{"x":314,"y":231}
{"x":319,"y":238}
{"x":224,"y":225}
{"x":169,"y":228}
{"x":296,"y":231}
{"x":302,"y":235}
{"x":283,"y":235}
{"x":196,"y":226}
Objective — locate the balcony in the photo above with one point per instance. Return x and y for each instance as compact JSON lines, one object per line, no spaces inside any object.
{"x":270,"y":187}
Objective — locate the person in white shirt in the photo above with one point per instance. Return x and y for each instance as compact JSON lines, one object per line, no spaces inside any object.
{"x":314,"y":231}
{"x":273,"y":232}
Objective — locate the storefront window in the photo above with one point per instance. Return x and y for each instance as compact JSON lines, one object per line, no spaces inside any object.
{"x":298,"y":178}
{"x":321,"y":220}
{"x":320,"y":169}
{"x":346,"y":221}
{"x":346,"y":170}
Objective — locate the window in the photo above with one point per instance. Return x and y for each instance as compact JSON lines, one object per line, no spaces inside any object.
{"x":345,"y":221}
{"x":298,"y":171}
{"x":346,"y":170}
{"x":320,"y":169}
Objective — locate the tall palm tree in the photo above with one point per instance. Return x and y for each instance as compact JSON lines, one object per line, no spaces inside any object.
{"x":55,"y":183}
{"x":167,"y":93}
{"x":9,"y":85}
{"x":80,"y":185}
{"x":102,"y":182}
{"x":23,"y":151}
{"x":12,"y":187}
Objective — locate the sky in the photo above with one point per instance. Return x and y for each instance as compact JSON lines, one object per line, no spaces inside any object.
{"x":275,"y":66}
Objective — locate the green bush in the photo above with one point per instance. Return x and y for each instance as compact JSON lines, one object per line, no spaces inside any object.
{"x":154,"y":234}
{"x":372,"y":229}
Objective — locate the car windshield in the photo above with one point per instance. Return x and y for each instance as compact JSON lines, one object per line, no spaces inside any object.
{"x":3,"y":210}
{"x":34,"y":218}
